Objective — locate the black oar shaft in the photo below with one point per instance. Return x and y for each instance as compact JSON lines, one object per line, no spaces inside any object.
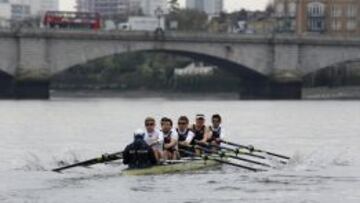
{"x":277,"y":155}
{"x":221,"y":154}
{"x":220,"y":161}
{"x":102,"y":159}
{"x":255,"y":150}
{"x":236,"y":151}
{"x":84,"y":163}
{"x":237,"y":165}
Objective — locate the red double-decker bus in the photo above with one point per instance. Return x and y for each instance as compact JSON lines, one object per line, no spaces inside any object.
{"x":73,"y":20}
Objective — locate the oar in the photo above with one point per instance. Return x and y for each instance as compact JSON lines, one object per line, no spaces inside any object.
{"x":255,"y":150}
{"x":236,"y":151}
{"x":205,"y":157}
{"x":222,"y":154}
{"x":102,"y":159}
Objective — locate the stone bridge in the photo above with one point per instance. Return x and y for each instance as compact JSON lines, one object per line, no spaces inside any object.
{"x":31,"y":57}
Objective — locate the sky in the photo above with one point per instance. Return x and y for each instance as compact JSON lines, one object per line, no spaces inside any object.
{"x":230,"y":5}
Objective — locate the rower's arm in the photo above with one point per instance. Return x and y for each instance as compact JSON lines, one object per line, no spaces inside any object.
{"x":152,"y":156}
{"x":126,"y":156}
{"x":222,"y":134}
{"x":161,"y":139}
{"x":171,"y":144}
{"x":207,"y":135}
{"x":189,"y":138}
{"x":184,"y":143}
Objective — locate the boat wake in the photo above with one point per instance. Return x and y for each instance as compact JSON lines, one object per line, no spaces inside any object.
{"x":320,"y":159}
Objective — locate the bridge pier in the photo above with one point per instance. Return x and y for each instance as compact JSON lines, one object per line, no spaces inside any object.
{"x":254,"y":88}
{"x":291,"y":90}
{"x":272,"y":88}
{"x":32,"y":89}
{"x":11,"y":89}
{"x":6,"y":86}
{"x":32,"y":83}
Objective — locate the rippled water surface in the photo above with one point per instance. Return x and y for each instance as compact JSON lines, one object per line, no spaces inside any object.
{"x":323,"y":139}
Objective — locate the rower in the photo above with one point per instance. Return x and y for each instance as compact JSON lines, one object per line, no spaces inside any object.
{"x":201,"y":132}
{"x":139,"y":154}
{"x":217,"y":132}
{"x":170,"y":139}
{"x":153,"y":137}
{"x":185,"y":134}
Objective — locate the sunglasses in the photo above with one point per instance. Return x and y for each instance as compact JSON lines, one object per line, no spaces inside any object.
{"x":182,"y":123}
{"x":149,"y":124}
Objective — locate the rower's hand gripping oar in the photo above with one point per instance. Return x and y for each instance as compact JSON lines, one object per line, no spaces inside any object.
{"x":252,"y":149}
{"x":103,"y":159}
{"x":206,"y":157}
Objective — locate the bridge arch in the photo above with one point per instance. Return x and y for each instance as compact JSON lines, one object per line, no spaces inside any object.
{"x":315,"y":58}
{"x":63,"y":55}
{"x":255,"y":84}
{"x":238,"y":69}
{"x":331,"y":64}
{"x":331,"y":74}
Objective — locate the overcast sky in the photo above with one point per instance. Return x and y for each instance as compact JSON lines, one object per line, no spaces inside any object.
{"x":230,"y":5}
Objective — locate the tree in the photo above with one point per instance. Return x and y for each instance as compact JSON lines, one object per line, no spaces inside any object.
{"x":174,"y":6}
{"x":189,"y":19}
{"x":270,"y":8}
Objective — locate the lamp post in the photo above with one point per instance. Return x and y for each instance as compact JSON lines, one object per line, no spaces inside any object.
{"x":159,"y":14}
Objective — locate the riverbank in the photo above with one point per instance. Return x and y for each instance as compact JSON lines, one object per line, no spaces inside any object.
{"x":138,"y":94}
{"x":325,"y":93}
{"x":320,"y":93}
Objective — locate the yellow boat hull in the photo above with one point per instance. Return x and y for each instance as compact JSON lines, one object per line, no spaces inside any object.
{"x":194,"y":165}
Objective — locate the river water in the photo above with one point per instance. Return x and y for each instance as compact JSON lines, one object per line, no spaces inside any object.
{"x":323,"y":139}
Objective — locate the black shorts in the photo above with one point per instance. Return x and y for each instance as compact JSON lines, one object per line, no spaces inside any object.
{"x":171,"y":150}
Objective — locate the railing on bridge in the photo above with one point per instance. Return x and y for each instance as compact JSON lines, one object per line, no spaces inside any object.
{"x":181,"y":36}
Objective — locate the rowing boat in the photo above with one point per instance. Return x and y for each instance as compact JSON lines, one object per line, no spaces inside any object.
{"x":173,"y":168}
{"x":196,"y":162}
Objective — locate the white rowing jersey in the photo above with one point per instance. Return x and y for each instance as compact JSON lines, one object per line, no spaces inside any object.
{"x":155,"y":139}
{"x":185,"y":136}
{"x":218,"y":132}
{"x":168,"y":137}
{"x":173,"y":134}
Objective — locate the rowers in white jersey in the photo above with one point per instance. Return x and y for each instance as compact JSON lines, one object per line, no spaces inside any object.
{"x":185,"y":135}
{"x":170,"y":139}
{"x":217,"y":132}
{"x":154,"y":137}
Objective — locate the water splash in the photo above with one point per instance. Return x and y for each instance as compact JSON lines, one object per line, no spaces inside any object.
{"x":66,"y":158}
{"x":38,"y":162}
{"x":33,"y":163}
{"x":320,"y":159}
